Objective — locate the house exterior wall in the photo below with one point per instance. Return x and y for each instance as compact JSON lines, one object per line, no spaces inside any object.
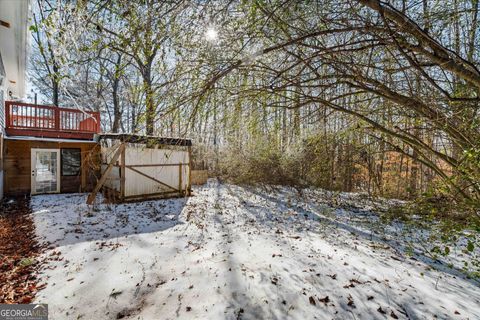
{"x":3,"y":90}
{"x":2,"y":121}
{"x":17,"y":165}
{"x":14,"y":43}
{"x":1,"y":167}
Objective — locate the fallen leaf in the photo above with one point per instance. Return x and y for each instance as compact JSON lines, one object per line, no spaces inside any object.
{"x":350,"y":302}
{"x":325,"y":300}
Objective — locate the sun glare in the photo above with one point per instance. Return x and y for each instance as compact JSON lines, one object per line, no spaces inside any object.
{"x":211,"y":34}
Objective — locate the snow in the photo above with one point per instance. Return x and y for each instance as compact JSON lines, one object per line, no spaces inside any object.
{"x":232,"y":252}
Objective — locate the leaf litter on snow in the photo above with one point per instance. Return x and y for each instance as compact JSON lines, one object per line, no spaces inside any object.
{"x":239,"y":252}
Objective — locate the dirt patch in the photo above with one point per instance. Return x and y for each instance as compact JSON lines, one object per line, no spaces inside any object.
{"x":19,"y":251}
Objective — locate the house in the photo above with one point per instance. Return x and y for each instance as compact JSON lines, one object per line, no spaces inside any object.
{"x":51,"y":149}
{"x":42,"y":147}
{"x":48,"y":149}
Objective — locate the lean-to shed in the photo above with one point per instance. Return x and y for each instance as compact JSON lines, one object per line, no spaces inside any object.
{"x":138,"y":167}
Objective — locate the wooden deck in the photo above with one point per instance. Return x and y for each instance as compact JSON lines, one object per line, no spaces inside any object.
{"x":24,"y":119}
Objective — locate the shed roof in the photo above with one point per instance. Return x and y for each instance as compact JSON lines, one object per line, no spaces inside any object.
{"x":135,"y":138}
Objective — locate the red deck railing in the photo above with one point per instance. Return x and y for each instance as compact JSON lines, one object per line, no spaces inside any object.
{"x":24,"y":119}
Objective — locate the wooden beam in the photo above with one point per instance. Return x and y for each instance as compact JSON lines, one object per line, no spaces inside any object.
{"x":151,"y":178}
{"x":122,"y":175}
{"x":91,"y":197}
{"x":150,"y":196}
{"x":189,"y":185}
{"x":157,"y":165}
{"x":44,"y":133}
{"x":134,"y":138}
{"x":180,"y":178}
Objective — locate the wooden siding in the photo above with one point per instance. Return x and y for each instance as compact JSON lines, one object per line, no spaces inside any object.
{"x":199,"y":177}
{"x":17,"y":165}
{"x":1,"y":166}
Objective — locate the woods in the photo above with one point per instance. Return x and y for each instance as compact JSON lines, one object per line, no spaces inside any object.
{"x":371,"y":96}
{"x":263,"y":159}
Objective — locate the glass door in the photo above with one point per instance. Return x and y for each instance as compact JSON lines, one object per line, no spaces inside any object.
{"x":45,"y":171}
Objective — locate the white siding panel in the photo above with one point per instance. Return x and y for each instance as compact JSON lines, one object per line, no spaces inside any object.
{"x":139,"y":185}
{"x":136,"y":156}
{"x":113,"y":177}
{"x":136,"y":184}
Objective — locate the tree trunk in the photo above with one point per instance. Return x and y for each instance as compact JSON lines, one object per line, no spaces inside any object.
{"x":116,"y":107}
{"x":55,"y":86}
{"x":116,"y":103}
{"x":149,"y":103}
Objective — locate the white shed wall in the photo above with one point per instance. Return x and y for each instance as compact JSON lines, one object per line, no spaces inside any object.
{"x":136,"y":184}
{"x":113,"y":179}
{"x":139,"y":185}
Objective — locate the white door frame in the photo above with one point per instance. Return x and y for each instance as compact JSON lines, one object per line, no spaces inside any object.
{"x":33,"y":168}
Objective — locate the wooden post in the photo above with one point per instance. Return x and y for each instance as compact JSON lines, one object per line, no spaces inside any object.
{"x":180,"y":178}
{"x":57,"y":118}
{"x":189,"y":184}
{"x":122,"y":175}
{"x":98,"y":128}
{"x":91,"y":197}
{"x":8,"y":121}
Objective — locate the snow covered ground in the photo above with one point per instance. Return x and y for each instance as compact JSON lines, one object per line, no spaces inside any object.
{"x":231,"y":252}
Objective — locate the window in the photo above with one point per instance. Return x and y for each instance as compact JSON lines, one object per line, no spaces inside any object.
{"x":71,"y":162}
